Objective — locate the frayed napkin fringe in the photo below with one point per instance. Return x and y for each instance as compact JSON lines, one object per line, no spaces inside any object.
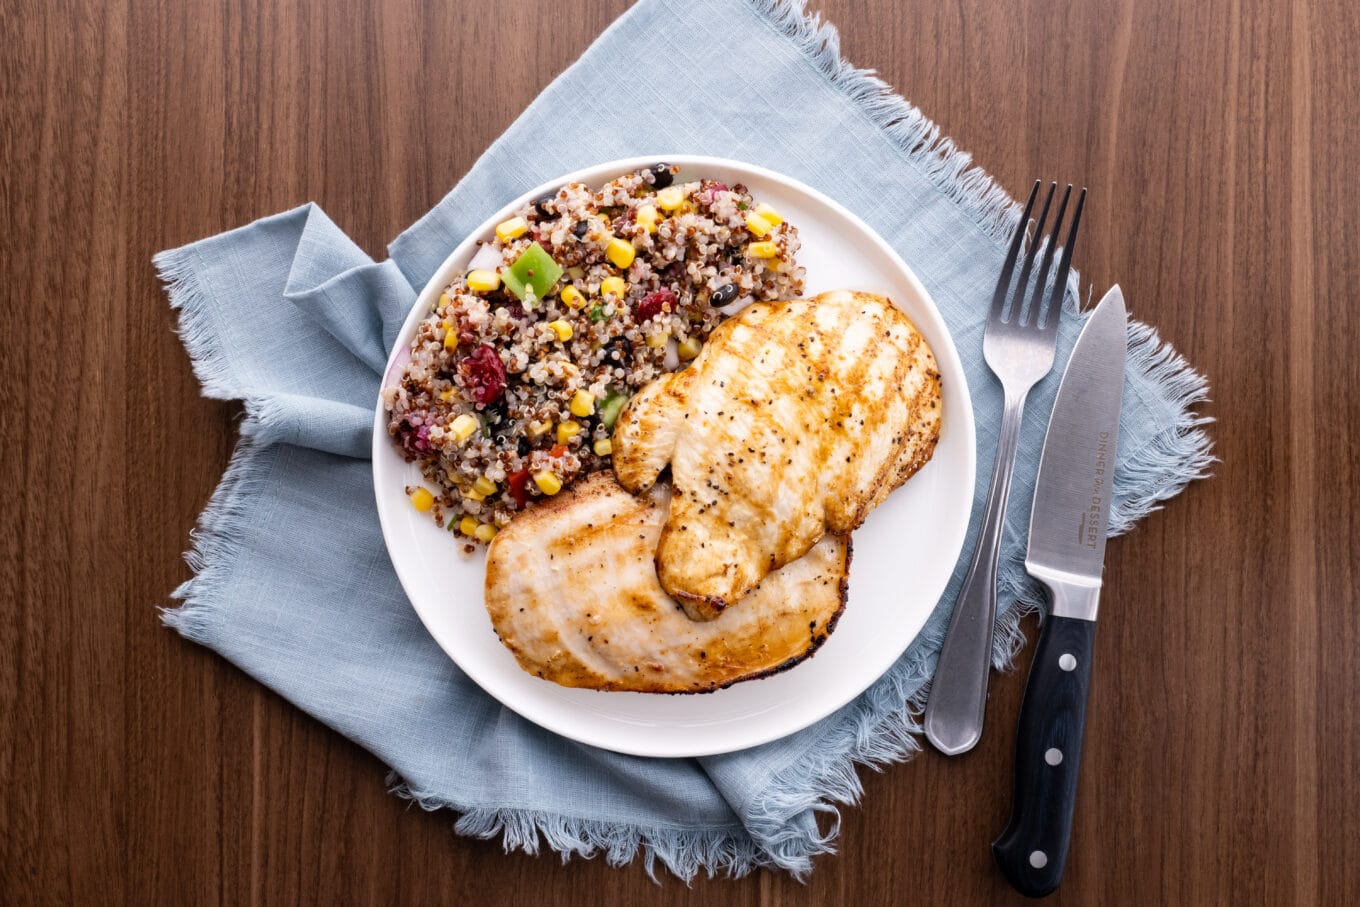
{"x":1176,"y":457}
{"x":189,"y":298}
{"x":213,"y":541}
{"x":684,"y":851}
{"x":937,"y":157}
{"x":214,"y":547}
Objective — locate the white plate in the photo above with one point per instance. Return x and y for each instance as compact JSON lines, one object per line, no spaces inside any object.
{"x":903,"y":555}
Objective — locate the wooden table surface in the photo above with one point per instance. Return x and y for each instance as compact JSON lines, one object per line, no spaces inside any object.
{"x":1220,"y":143}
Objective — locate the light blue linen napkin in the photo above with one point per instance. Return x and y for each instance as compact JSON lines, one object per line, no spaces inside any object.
{"x":292,"y":581}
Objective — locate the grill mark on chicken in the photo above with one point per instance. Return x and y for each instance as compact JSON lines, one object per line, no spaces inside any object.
{"x":829,"y":403}
{"x":593,"y":614}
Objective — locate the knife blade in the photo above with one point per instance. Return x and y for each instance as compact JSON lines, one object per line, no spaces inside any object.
{"x":1066,"y":553}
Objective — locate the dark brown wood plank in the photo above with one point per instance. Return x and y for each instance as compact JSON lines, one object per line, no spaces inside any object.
{"x":1324,"y":354}
{"x":1220,"y":142}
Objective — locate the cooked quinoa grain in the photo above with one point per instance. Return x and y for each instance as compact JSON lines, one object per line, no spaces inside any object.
{"x":506,"y":396}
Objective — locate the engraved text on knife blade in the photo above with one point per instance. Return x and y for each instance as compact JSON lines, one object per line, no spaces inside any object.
{"x":1090,"y":528}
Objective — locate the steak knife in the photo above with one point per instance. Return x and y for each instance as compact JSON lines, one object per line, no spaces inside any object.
{"x":1067,"y":554}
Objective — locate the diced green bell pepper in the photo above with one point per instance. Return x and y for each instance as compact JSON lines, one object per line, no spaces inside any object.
{"x":609,"y":409}
{"x":533,"y":270}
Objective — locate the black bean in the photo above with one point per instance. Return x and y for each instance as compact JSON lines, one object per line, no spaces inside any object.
{"x":661,"y":175}
{"x":523,"y":446}
{"x":723,"y":295}
{"x":621,"y":346}
{"x":541,"y":204}
{"x":580,"y":230}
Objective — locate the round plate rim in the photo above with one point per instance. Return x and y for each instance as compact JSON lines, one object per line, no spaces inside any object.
{"x":592,"y":175}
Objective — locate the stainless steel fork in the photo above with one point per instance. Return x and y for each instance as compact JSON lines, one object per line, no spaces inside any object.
{"x":1018,"y":345}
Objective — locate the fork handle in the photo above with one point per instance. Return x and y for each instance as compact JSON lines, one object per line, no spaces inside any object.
{"x":958,"y":694}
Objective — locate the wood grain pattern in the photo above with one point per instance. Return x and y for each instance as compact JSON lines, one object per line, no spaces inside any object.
{"x":1221,"y":146}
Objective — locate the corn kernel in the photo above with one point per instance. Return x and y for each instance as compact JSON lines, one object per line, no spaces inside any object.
{"x":463,"y":426}
{"x":474,"y":495}
{"x":670,"y":198}
{"x":572,"y":297}
{"x":604,"y":447}
{"x":510,"y":229}
{"x":547,"y":482}
{"x":690,"y":347}
{"x":539,"y":429}
{"x":484,"y":486}
{"x":450,"y":338}
{"x":481,"y":280}
{"x":561,"y":329}
{"x":758,"y":225}
{"x":583,"y":404}
{"x":447,"y":395}
{"x":567,"y":430}
{"x":614,"y":285}
{"x":468,"y":525}
{"x":657,"y":341}
{"x":647,"y":216}
{"x":763,"y":249}
{"x":445,"y":299}
{"x":620,"y":252}
{"x":769,"y":214}
{"x":485,"y":532}
{"x":422,"y":499}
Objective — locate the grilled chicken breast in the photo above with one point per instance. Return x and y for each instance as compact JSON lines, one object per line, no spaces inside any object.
{"x":572,"y":591}
{"x":797,"y":419}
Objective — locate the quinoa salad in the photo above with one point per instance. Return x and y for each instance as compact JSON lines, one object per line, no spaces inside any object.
{"x":510,"y":389}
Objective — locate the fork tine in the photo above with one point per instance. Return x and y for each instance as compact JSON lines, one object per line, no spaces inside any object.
{"x":1036,"y":304}
{"x":1054,"y":309}
{"x":1017,"y":308}
{"x":1003,"y":283}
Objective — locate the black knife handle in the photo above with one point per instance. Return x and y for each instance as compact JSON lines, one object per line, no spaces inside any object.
{"x":1033,"y":848}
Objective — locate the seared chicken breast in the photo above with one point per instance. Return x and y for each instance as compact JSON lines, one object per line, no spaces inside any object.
{"x":572,"y":591}
{"x":797,"y":419}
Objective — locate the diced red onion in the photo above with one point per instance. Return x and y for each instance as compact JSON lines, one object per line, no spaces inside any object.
{"x":393,"y":376}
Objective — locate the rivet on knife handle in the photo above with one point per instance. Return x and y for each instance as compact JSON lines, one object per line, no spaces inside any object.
{"x":1032,"y":850}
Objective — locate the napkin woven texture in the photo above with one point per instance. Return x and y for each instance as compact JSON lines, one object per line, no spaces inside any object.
{"x":292,"y":582}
